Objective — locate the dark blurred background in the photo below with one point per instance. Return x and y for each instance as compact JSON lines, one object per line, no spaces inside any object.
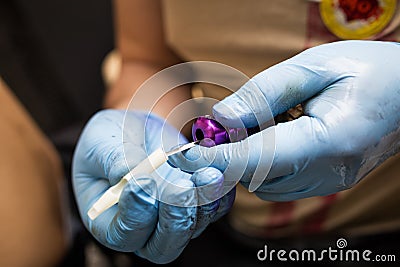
{"x":50,"y":56}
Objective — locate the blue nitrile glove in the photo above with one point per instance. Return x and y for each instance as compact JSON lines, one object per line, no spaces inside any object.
{"x":350,"y":91}
{"x":153,"y":229}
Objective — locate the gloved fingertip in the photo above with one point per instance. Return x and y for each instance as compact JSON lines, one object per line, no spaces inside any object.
{"x":234,"y":112}
{"x":194,"y":153}
{"x":209,"y":185}
{"x":190,"y":160}
{"x":179,"y":193}
{"x":206,"y":176}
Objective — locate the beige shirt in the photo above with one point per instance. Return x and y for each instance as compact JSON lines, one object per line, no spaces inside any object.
{"x":251,"y":36}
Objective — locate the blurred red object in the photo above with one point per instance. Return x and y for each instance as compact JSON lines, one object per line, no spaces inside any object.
{"x":360,"y":9}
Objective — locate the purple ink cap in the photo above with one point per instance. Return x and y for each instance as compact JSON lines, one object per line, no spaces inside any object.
{"x":210,"y":132}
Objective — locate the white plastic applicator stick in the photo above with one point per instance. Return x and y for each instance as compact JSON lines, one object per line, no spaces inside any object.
{"x":112,"y":195}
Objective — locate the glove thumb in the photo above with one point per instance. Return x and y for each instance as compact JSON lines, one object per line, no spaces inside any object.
{"x":279,"y":88}
{"x":247,"y":160}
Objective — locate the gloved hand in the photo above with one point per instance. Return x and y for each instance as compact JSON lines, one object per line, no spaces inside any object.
{"x":141,"y":223}
{"x":350,"y":91}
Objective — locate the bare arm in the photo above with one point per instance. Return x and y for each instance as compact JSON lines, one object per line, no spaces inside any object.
{"x":140,"y":41}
